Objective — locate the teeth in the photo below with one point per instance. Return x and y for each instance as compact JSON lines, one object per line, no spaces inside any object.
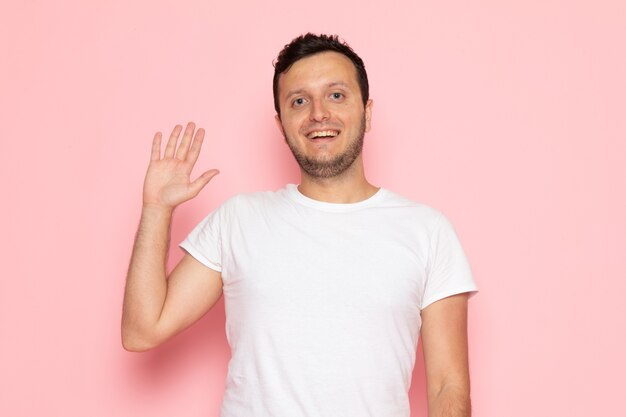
{"x":322,"y":133}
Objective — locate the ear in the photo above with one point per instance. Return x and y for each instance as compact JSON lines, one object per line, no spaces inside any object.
{"x":279,"y":124}
{"x":368,"y":114}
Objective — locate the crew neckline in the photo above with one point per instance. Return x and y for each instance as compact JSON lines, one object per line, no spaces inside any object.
{"x":295,"y":194}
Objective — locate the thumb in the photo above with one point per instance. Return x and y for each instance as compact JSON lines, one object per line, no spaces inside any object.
{"x":202,"y":180}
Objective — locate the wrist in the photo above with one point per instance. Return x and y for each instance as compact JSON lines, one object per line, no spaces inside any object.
{"x":157,"y":209}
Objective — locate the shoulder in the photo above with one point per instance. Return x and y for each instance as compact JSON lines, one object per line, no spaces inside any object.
{"x":407,"y":209}
{"x":251,"y":201}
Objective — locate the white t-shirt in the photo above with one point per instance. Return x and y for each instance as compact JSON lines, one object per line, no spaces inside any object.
{"x":323,"y":300}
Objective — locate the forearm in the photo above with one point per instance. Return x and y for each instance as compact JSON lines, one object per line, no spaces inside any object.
{"x":450,"y":401}
{"x":146,"y":282}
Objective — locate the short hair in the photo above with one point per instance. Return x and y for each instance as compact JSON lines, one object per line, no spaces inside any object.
{"x":311,"y":44}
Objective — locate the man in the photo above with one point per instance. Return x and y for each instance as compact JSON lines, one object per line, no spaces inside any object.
{"x":326,"y":284}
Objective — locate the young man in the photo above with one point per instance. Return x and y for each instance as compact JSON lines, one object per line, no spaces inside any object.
{"x":327,"y":284}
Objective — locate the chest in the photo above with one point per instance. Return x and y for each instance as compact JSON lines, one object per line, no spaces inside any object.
{"x":328,"y":267}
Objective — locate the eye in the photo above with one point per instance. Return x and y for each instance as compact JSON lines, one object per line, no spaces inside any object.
{"x":298,"y":102}
{"x":337,"y":96}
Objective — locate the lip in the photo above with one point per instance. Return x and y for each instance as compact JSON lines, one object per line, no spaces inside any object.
{"x":324,"y":139}
{"x":321,"y":128}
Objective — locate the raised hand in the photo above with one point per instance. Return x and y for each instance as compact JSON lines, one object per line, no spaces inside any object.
{"x":168,"y":182}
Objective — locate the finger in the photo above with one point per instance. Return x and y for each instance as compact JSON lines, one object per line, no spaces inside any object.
{"x":201,"y":181}
{"x":171,"y":143}
{"x":192,"y":156}
{"x":181,"y":152}
{"x":156,"y":147}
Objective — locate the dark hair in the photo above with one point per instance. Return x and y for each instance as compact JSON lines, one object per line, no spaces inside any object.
{"x":310,"y":44}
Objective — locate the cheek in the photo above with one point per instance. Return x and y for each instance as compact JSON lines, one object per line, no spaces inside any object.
{"x":291,"y":124}
{"x":290,"y":130}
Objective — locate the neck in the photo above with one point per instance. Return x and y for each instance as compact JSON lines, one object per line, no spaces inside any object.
{"x":349,"y":187}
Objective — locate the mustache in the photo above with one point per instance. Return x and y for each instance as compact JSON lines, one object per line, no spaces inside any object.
{"x":319,"y":126}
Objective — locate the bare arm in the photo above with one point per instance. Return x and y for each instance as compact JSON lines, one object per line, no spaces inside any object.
{"x":444,"y":339}
{"x":155,"y":307}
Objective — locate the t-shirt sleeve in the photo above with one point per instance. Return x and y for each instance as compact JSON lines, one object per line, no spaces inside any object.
{"x":448,"y":272}
{"x":204,"y":242}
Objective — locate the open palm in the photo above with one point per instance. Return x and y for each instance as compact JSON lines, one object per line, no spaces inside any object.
{"x":168,"y":181}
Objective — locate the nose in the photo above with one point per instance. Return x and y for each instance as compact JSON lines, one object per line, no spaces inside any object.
{"x":319,"y":112}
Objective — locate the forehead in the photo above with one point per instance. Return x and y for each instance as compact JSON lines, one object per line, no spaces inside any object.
{"x":317,"y":71}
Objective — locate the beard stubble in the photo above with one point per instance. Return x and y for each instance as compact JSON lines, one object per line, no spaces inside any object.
{"x":329,"y":168}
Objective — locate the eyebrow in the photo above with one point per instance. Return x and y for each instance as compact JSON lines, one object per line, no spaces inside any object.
{"x":330,"y":85}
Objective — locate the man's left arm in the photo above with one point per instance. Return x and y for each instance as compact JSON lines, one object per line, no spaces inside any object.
{"x":444,"y":341}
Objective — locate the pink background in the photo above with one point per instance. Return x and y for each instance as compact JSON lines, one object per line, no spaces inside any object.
{"x":510,"y":117}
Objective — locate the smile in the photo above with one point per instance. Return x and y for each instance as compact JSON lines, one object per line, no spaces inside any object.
{"x":322,"y":134}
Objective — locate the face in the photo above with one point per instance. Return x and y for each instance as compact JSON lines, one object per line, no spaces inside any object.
{"x":322,"y":116}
